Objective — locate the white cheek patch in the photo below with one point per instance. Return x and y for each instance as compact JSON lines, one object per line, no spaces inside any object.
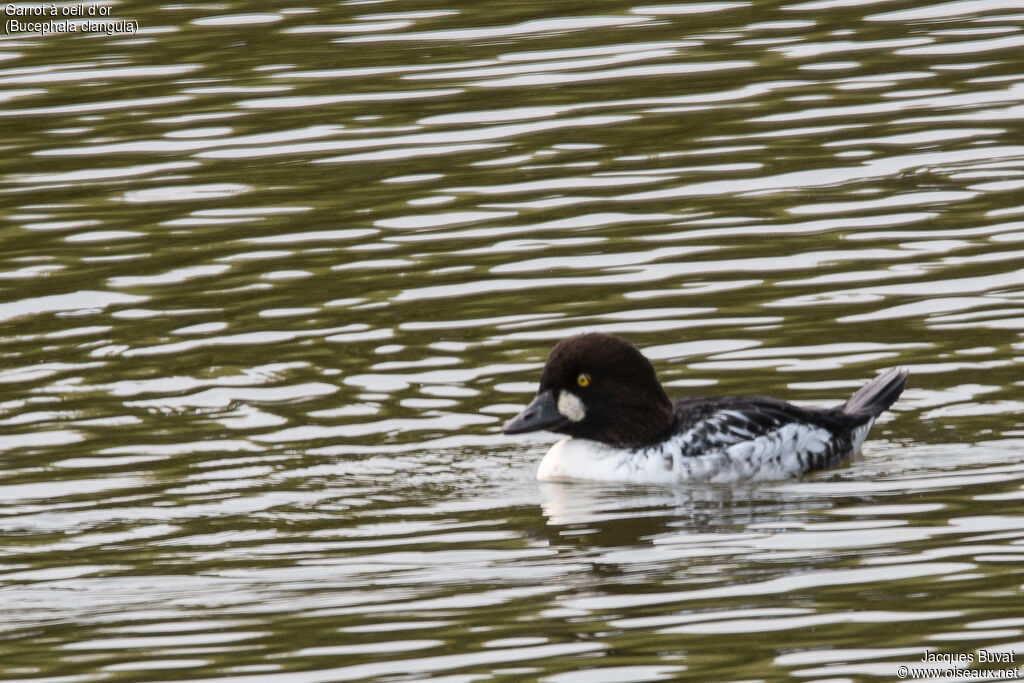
{"x":571,"y":407}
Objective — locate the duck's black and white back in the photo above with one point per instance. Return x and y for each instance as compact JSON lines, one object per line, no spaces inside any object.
{"x":605,"y":395}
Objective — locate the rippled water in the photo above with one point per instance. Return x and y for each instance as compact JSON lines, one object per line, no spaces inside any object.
{"x":273,"y":277}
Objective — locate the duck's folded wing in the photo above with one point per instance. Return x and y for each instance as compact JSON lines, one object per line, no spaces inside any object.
{"x":714,"y":425}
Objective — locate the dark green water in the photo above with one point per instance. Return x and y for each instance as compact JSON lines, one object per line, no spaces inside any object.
{"x":272,"y":277}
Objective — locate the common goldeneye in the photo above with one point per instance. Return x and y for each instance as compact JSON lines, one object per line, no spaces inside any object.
{"x":604,"y":394}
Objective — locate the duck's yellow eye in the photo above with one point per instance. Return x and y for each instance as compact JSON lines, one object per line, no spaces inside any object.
{"x":583,"y":380}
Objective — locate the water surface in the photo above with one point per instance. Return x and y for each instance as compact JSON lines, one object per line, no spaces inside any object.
{"x":271,"y":279}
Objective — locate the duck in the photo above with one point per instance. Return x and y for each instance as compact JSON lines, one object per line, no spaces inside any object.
{"x":620,"y":426}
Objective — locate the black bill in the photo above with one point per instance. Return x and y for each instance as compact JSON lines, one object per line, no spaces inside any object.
{"x":542,"y":413}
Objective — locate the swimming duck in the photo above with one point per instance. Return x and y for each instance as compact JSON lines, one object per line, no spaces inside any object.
{"x":605,"y":396}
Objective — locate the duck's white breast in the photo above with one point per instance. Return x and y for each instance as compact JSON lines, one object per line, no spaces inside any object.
{"x":594,"y":461}
{"x":582,"y":459}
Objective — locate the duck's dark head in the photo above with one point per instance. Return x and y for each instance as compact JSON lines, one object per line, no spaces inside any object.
{"x":598,"y":387}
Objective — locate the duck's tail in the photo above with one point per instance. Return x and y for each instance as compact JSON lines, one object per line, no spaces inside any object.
{"x":878,"y":394}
